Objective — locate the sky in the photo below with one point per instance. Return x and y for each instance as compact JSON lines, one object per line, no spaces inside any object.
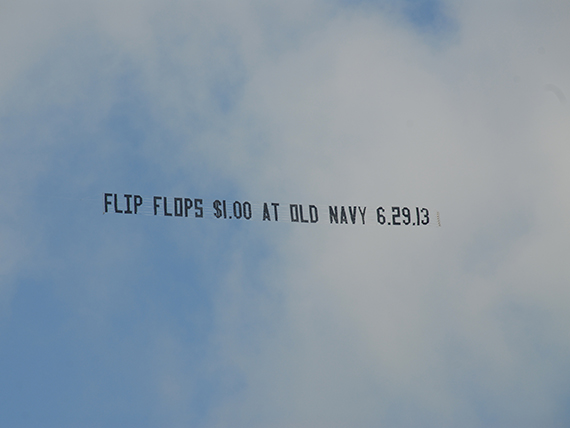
{"x":114,"y":320}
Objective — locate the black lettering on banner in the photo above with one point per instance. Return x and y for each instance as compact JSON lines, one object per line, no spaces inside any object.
{"x":117,"y":210}
{"x":156,"y":204}
{"x":426,"y":216}
{"x":237,"y":212}
{"x":198,"y":206}
{"x":362,"y":213}
{"x":352,"y":212}
{"x":395,"y":215}
{"x":247,"y":210}
{"x":107,"y":201}
{"x":187,"y":206}
{"x":166,"y":213}
{"x":138,"y":202}
{"x":266,"y":215}
{"x":294,"y":211}
{"x":178,"y":207}
{"x":380,"y":216}
{"x":301,"y":214}
{"x":333,"y":214}
{"x":313,"y":213}
{"x":218,"y":212}
{"x":128,"y":198}
{"x":406,"y":213}
{"x":343,"y":215}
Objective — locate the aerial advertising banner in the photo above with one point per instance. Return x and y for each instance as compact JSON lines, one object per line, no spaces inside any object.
{"x":269,"y":211}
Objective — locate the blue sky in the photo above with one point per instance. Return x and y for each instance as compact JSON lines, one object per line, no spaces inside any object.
{"x":114,"y":320}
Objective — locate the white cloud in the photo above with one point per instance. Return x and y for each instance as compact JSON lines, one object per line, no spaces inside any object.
{"x":365,"y":111}
{"x":300,"y":102}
